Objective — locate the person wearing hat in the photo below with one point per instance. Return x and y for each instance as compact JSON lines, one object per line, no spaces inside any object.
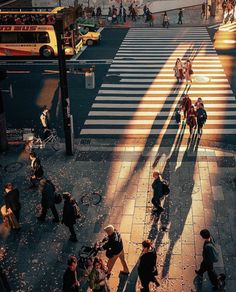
{"x":70,"y":277}
{"x":114,"y":249}
{"x":147,"y":270}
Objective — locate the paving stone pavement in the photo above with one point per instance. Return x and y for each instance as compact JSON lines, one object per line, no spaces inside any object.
{"x":202,"y":196}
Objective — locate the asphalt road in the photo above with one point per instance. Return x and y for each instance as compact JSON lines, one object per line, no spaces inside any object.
{"x":35,"y":83}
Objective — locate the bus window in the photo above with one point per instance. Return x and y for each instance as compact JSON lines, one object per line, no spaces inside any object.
{"x":8,"y":37}
{"x":42,"y":37}
{"x":26,"y":37}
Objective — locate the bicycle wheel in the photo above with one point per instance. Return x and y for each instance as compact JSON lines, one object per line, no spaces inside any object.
{"x":55,"y":144}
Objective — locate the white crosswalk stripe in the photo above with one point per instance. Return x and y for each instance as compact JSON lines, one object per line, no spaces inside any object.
{"x":224,"y":26}
{"x":139,"y":95}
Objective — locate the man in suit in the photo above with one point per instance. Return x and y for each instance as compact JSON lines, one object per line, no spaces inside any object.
{"x":12,"y":199}
{"x":37,"y":169}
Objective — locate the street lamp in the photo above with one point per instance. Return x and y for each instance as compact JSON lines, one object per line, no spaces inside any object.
{"x":67,"y":117}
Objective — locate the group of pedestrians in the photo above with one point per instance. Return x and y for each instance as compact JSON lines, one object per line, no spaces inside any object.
{"x":183,"y":71}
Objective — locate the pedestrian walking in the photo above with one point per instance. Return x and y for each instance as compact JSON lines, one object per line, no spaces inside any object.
{"x":70,"y":277}
{"x":188,"y":71}
{"x":133,"y":14}
{"x":44,"y":119}
{"x":97,"y":277}
{"x":147,"y":270}
{"x":69,"y":215}
{"x":201,"y":119}
{"x":186,"y":105}
{"x":180,"y":16}
{"x":203,"y":12}
{"x":157,"y":187}
{"x":113,"y":245}
{"x":122,"y":14}
{"x":47,"y":189}
{"x":12,"y":199}
{"x":210,"y":256}
{"x":198,"y":103}
{"x":191,"y":120}
{"x":165,"y":22}
{"x":178,"y":69}
{"x":98,"y":12}
{"x":4,"y":285}
{"x":36,"y":169}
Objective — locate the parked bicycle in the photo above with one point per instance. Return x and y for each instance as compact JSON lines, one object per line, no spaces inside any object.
{"x":51,"y":140}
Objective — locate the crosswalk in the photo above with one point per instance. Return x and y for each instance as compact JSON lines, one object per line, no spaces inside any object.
{"x":139,"y":95}
{"x":229,"y":27}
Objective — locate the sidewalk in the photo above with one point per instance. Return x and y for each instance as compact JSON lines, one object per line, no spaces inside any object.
{"x":202,"y":196}
{"x":192,"y":17}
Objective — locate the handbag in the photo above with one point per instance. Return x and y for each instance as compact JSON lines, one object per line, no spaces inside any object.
{"x":9,"y":218}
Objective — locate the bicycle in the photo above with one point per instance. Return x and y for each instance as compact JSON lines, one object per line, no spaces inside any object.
{"x":39,"y":143}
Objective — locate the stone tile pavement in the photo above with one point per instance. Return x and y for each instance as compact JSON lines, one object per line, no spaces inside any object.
{"x":202,"y":196}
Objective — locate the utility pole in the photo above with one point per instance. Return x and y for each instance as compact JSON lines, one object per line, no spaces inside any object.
{"x":3,"y":127}
{"x":67,"y":118}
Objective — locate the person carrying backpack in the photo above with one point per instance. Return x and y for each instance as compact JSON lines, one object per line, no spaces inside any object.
{"x":201,"y":119}
{"x":210,"y":256}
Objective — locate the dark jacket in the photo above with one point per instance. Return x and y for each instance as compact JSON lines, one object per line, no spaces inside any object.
{"x":48,"y":195}
{"x":12,"y":200}
{"x":37,"y":168}
{"x":147,"y":264}
{"x":208,"y":251}
{"x":69,"y":281}
{"x":114,"y":244}
{"x":201,"y":116}
{"x":157,"y":188}
{"x":68,"y":217}
{"x":4,"y":286}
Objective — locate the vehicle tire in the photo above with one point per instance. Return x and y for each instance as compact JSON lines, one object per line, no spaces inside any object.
{"x":46,"y":52}
{"x":89,"y":42}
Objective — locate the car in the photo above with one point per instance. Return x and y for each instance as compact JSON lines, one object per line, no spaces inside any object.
{"x":89,"y":37}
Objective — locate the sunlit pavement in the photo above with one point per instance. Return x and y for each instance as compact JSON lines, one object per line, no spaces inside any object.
{"x":202,"y":196}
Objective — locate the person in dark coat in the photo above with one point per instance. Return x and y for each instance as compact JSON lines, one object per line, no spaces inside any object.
{"x":47,"y":190}
{"x":12,"y":199}
{"x":186,"y":105}
{"x":157,"y":191}
{"x":147,"y":270}
{"x":37,"y":169}
{"x":180,"y":16}
{"x":210,"y":255}
{"x":69,"y":217}
{"x":70,"y":278}
{"x":192,"y":120}
{"x":201,"y":119}
{"x":4,"y":285}
{"x":113,"y":245}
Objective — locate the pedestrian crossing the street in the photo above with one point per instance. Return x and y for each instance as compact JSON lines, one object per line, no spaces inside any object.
{"x":140,"y":95}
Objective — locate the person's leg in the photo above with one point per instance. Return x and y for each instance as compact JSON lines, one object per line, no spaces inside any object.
{"x":72,"y":231}
{"x":145,"y":284}
{"x":43,"y":214}
{"x":111,"y":263}
{"x":123,"y":262}
{"x":54,"y":212}
{"x":202,"y":270}
{"x":213,"y":277}
{"x":17,"y":214}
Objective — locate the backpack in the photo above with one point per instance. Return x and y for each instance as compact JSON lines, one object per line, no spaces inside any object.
{"x":213,"y":252}
{"x":202,"y":115}
{"x":165,"y":188}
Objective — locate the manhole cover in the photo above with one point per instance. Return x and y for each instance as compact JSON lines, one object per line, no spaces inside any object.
{"x":91,"y":199}
{"x":13,"y":167}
